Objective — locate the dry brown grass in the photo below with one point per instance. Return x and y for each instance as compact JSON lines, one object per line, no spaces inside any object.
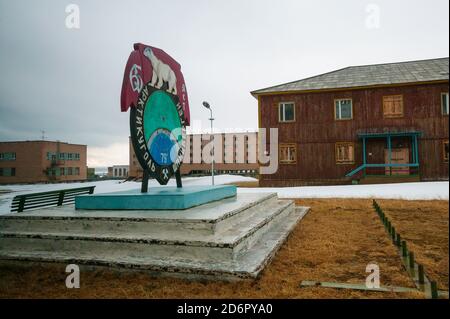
{"x":334,"y":242}
{"x":424,"y":225}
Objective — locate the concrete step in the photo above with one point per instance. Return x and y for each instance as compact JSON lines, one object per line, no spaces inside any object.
{"x":202,"y":220}
{"x":245,"y":266}
{"x":226,"y":245}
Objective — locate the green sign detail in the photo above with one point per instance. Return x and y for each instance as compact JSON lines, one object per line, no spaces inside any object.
{"x":161,"y":113}
{"x":158,"y":133}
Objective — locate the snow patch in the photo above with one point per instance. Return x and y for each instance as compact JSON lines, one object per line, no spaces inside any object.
{"x":406,"y":191}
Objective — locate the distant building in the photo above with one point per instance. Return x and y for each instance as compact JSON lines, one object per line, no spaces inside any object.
{"x":118,"y":171}
{"x":236,"y":154}
{"x":363,"y":124}
{"x":91,"y":173}
{"x":42,"y":161}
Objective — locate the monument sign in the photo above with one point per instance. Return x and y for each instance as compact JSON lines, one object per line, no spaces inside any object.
{"x":153,"y":88}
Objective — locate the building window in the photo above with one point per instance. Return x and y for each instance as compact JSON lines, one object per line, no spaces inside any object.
{"x":286,"y":112}
{"x":393,"y":106}
{"x":9,"y":156}
{"x":77,"y":156}
{"x":345,"y":153}
{"x":445,"y":151}
{"x":51,"y":156}
{"x":77,"y":171}
{"x":69,"y":171}
{"x":288,"y":153}
{"x":6,"y":171}
{"x":343,"y":109}
{"x":444,"y":102}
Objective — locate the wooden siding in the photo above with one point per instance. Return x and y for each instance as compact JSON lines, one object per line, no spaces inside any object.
{"x":315,"y":131}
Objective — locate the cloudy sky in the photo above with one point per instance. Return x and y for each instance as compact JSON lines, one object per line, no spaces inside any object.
{"x":67,"y":81}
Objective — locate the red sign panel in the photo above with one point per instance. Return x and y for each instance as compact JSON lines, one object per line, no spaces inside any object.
{"x":149,"y":64}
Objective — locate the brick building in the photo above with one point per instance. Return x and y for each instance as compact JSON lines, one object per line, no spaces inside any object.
{"x":42,"y":161}
{"x":366,"y":124}
{"x":118,"y":171}
{"x":234,"y":153}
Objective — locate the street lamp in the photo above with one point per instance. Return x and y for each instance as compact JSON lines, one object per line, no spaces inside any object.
{"x":206,"y":105}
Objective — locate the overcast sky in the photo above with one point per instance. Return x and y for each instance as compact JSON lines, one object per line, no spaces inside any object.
{"x":67,"y":81}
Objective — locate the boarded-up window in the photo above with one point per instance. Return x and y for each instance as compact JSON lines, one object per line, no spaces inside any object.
{"x":343,"y":109}
{"x":286,"y":112}
{"x":6,"y":171}
{"x":345,"y":153}
{"x":445,"y":150}
{"x":393,"y":106}
{"x":288,"y":153}
{"x":444,"y":101}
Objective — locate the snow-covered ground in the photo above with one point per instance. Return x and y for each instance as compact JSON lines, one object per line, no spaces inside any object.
{"x":408,"y":191}
{"x":107,"y":186}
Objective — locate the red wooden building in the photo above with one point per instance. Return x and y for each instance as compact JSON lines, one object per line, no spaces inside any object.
{"x":366,"y":124}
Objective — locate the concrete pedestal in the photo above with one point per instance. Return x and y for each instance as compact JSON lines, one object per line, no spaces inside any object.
{"x":232,"y":238}
{"x":156,"y":198}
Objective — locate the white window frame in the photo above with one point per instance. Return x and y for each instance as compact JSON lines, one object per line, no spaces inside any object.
{"x":444,"y":108}
{"x":283,"y":106}
{"x":340,"y":109}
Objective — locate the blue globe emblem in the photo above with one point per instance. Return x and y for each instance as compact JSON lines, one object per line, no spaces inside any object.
{"x":163,"y":147}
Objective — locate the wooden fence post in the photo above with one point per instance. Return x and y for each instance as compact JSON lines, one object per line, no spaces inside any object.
{"x":411,"y":260}
{"x":434,"y":291}
{"x":421,"y":275}
{"x":404,"y":249}
{"x":399,"y":240}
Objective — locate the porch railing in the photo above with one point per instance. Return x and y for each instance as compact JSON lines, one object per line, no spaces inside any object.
{"x":363,"y":167}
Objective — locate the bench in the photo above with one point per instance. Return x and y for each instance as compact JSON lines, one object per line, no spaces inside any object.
{"x":24,"y":202}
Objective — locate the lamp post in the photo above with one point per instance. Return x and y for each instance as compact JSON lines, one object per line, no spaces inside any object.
{"x":206,"y":105}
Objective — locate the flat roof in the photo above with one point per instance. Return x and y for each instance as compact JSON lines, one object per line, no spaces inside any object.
{"x":42,"y":141}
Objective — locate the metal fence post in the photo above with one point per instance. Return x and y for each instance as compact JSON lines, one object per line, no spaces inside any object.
{"x":60,"y":198}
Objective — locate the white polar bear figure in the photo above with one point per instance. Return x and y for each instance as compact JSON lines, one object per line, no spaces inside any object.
{"x":161,"y":73}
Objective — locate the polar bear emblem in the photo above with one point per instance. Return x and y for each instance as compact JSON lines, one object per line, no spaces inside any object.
{"x":161,"y":73}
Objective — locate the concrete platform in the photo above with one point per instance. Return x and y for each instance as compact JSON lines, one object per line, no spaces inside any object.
{"x":156,"y":198}
{"x":233,"y":238}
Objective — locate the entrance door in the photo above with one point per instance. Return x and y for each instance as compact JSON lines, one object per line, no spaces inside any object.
{"x":398,"y":156}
